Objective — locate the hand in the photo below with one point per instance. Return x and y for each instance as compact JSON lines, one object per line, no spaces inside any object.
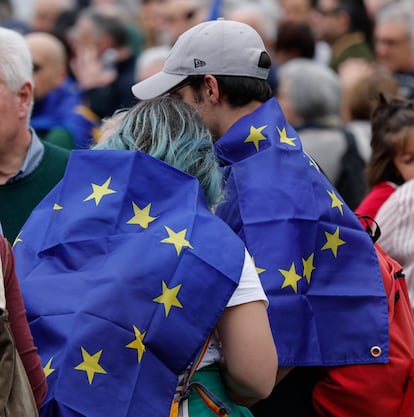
{"x":89,"y":71}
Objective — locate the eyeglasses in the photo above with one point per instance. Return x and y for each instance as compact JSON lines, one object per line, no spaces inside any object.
{"x":36,"y":67}
{"x":182,"y":84}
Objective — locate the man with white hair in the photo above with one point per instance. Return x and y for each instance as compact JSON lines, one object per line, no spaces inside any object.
{"x":394,"y":43}
{"x":29,"y":169}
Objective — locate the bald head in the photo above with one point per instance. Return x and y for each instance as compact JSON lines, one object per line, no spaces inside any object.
{"x":49,"y":62}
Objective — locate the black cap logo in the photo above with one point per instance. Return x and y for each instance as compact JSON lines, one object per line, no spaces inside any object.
{"x":199,"y":63}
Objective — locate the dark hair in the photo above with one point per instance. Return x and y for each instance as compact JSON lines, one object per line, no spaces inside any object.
{"x":112,"y":25}
{"x":297,"y":38}
{"x":359,"y":18}
{"x":238,"y":90}
{"x":390,"y":121}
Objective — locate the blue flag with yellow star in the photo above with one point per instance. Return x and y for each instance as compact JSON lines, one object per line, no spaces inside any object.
{"x":317,"y":265}
{"x":124,"y":276}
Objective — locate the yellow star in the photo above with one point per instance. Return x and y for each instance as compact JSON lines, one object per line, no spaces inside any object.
{"x":333,"y":241}
{"x":177,"y":239}
{"x":17,"y":240}
{"x":284,"y":137}
{"x":57,"y":207}
{"x":258,"y":270}
{"x":90,"y":364}
{"x":308,"y":267}
{"x":99,"y":191}
{"x":169,"y":297}
{"x":138,"y":343}
{"x":336,"y":202}
{"x":291,"y":277}
{"x":256,"y":136}
{"x":48,"y":367}
{"x":141,"y":216}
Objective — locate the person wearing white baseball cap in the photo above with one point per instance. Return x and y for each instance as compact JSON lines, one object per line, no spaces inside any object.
{"x":305,"y":241}
{"x":196,"y":53}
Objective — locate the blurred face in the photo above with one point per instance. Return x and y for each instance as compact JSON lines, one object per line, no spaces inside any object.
{"x":326,"y":21}
{"x":48,"y":73}
{"x":392,"y":46}
{"x":85,"y":36}
{"x":295,"y":10}
{"x":45,"y":14}
{"x":175,"y":18}
{"x":404,"y":160}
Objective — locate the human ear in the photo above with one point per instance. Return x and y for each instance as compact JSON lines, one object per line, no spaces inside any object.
{"x":25,"y":96}
{"x":211,"y":88}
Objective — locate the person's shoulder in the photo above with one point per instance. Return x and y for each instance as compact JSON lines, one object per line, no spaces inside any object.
{"x":376,"y":197}
{"x":403,"y":196}
{"x":385,"y":187}
{"x":55,"y":151}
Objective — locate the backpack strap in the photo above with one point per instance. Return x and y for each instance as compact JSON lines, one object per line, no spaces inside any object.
{"x":214,"y":403}
{"x":370,"y":226}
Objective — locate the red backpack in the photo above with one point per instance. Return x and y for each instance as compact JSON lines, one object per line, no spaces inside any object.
{"x":376,"y":390}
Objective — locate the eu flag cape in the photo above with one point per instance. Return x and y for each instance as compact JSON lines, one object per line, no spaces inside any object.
{"x":124,"y":272}
{"x":317,"y":265}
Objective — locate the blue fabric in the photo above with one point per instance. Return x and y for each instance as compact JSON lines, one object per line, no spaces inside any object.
{"x":63,"y":108}
{"x":316,"y":263}
{"x":215,"y":10}
{"x":93,"y":267}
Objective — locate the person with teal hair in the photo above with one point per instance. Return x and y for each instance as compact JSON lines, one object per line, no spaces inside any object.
{"x":174,"y":133}
{"x":142,"y":301}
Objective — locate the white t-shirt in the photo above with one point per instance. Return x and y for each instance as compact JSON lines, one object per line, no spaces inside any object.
{"x":249,"y":289}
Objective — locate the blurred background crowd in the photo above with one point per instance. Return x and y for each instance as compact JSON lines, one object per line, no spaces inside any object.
{"x":93,"y":51}
{"x":331,"y":59}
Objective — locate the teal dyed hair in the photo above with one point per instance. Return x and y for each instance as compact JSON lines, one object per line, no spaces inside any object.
{"x":170,"y":130}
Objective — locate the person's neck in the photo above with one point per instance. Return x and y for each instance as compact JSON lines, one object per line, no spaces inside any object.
{"x":12,"y":155}
{"x":236,"y":113}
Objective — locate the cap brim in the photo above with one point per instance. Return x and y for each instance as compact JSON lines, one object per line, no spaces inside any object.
{"x":156,"y":85}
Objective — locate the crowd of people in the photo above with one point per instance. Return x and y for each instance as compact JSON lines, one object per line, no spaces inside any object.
{"x":185,"y":187}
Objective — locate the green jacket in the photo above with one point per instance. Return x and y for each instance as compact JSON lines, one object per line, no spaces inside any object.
{"x":18,"y":199}
{"x":351,"y":45}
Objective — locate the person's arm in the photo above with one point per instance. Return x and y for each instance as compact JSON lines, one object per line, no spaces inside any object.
{"x":249,"y":365}
{"x":20,"y":327}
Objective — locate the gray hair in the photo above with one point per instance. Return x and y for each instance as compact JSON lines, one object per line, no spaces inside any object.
{"x":16,"y":65}
{"x":401,"y":12}
{"x":314,"y":89}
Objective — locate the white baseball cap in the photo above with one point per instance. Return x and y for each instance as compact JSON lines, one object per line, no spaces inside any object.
{"x":218,"y":47}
